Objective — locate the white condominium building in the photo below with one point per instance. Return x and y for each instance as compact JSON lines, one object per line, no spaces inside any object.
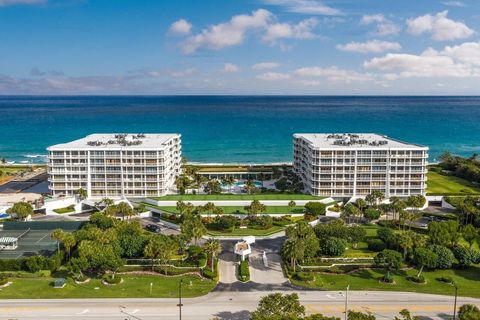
{"x":352,"y":165}
{"x":115,"y":165}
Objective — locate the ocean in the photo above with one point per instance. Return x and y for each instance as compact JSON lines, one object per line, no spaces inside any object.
{"x":237,"y":129}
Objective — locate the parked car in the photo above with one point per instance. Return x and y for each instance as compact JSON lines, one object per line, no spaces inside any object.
{"x":153,"y":228}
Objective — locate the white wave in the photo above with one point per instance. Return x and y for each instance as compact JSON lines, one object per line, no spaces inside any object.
{"x":35,"y":156}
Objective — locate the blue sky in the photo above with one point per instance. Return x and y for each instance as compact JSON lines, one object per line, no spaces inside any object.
{"x":240,"y":47}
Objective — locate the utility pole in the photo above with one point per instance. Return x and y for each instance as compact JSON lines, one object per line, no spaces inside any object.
{"x":455,"y":302}
{"x":180,"y":297}
{"x":346,"y":303}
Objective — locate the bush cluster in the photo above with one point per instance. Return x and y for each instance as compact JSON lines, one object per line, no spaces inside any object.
{"x":110,"y":279}
{"x":244,"y":271}
{"x":32,"y":264}
{"x":305,"y":276}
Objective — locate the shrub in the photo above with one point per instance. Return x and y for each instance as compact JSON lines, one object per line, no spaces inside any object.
{"x":376,"y":245}
{"x":388,"y":278}
{"x":110,"y":279}
{"x":372,"y":214}
{"x":264,"y":222}
{"x":3,"y":279}
{"x":194,"y":251}
{"x":315,"y":208}
{"x":35,"y":263}
{"x":445,"y":257}
{"x":333,"y":246}
{"x":385,"y":234}
{"x":445,"y":279}
{"x":209,"y":274}
{"x":244,"y":271}
{"x":305,"y":276}
{"x":465,"y":256}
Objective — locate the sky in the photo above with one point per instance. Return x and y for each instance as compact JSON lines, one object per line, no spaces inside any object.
{"x":240,"y":47}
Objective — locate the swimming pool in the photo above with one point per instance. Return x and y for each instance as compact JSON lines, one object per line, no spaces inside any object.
{"x":241,"y":184}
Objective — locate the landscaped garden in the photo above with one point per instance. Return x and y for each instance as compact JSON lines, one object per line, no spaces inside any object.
{"x":367,"y":254}
{"x":261,"y":196}
{"x":111,"y":257}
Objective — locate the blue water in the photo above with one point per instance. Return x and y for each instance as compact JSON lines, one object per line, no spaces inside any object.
{"x":238,"y":128}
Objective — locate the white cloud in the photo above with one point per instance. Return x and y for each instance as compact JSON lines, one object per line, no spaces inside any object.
{"x":459,"y":4}
{"x":4,"y":3}
{"x":181,"y":26}
{"x":181,"y":73}
{"x":301,"y":30}
{"x":384,"y":27}
{"x":375,"y":46}
{"x":230,"y":68}
{"x":265,"y":65}
{"x":457,"y":61}
{"x":439,"y":26}
{"x":273,"y":76}
{"x":227,"y":34}
{"x":333,"y":74}
{"x":314,"y":7}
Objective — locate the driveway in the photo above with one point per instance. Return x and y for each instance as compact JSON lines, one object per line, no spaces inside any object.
{"x":270,"y":272}
{"x":227,"y":265}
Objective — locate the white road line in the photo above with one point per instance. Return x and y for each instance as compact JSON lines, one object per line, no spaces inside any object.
{"x":83,"y":312}
{"x":42,"y":238}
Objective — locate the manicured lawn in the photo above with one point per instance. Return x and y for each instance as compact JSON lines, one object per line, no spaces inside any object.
{"x":206,"y":197}
{"x":132,"y":287}
{"x":247,"y":232}
{"x":238,"y":209}
{"x":440,"y":184}
{"x":362,"y":247}
{"x":64,"y":210}
{"x":466,"y":280}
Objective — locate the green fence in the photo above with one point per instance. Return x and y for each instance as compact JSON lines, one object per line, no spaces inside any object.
{"x":42,"y":225}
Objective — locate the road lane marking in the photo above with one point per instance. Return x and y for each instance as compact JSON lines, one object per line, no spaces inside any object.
{"x":83,"y":312}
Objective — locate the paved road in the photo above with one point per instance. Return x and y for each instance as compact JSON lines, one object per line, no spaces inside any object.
{"x":229,"y":306}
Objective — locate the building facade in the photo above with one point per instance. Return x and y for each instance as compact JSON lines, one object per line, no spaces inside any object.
{"x":353,"y":165}
{"x":115,"y":165}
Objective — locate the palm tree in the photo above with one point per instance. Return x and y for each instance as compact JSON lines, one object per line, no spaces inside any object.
{"x":261,"y":177}
{"x":405,"y":241}
{"x":82,"y":194}
{"x":349,"y":210}
{"x":292,"y":204}
{"x":230,"y":181}
{"x":125,"y":210}
{"x":361,"y":204}
{"x":152,"y":250}
{"x":292,"y":250}
{"x":249,"y":186}
{"x":212,"y":247}
{"x":198,"y":229}
{"x":199,"y":180}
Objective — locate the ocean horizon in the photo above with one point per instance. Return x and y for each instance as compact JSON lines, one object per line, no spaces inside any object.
{"x":238,"y":129}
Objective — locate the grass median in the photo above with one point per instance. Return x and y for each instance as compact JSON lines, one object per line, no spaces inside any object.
{"x":368,"y":279}
{"x":133,"y":286}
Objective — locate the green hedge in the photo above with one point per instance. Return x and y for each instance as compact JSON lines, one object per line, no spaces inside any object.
{"x":32,"y":264}
{"x":244,"y":271}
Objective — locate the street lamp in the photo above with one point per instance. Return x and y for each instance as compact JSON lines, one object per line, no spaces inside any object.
{"x":455,"y":302}
{"x":179,"y":305}
{"x":346,"y":303}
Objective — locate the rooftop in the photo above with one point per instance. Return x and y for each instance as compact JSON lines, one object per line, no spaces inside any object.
{"x":118,"y":141}
{"x":354,"y":140}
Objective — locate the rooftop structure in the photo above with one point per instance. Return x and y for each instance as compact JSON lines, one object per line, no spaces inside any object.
{"x":117,"y":141}
{"x":353,"y":141}
{"x":115,"y":165}
{"x":355,"y":164}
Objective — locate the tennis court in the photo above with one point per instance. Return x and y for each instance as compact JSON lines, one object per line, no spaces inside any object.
{"x":30,"y":242}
